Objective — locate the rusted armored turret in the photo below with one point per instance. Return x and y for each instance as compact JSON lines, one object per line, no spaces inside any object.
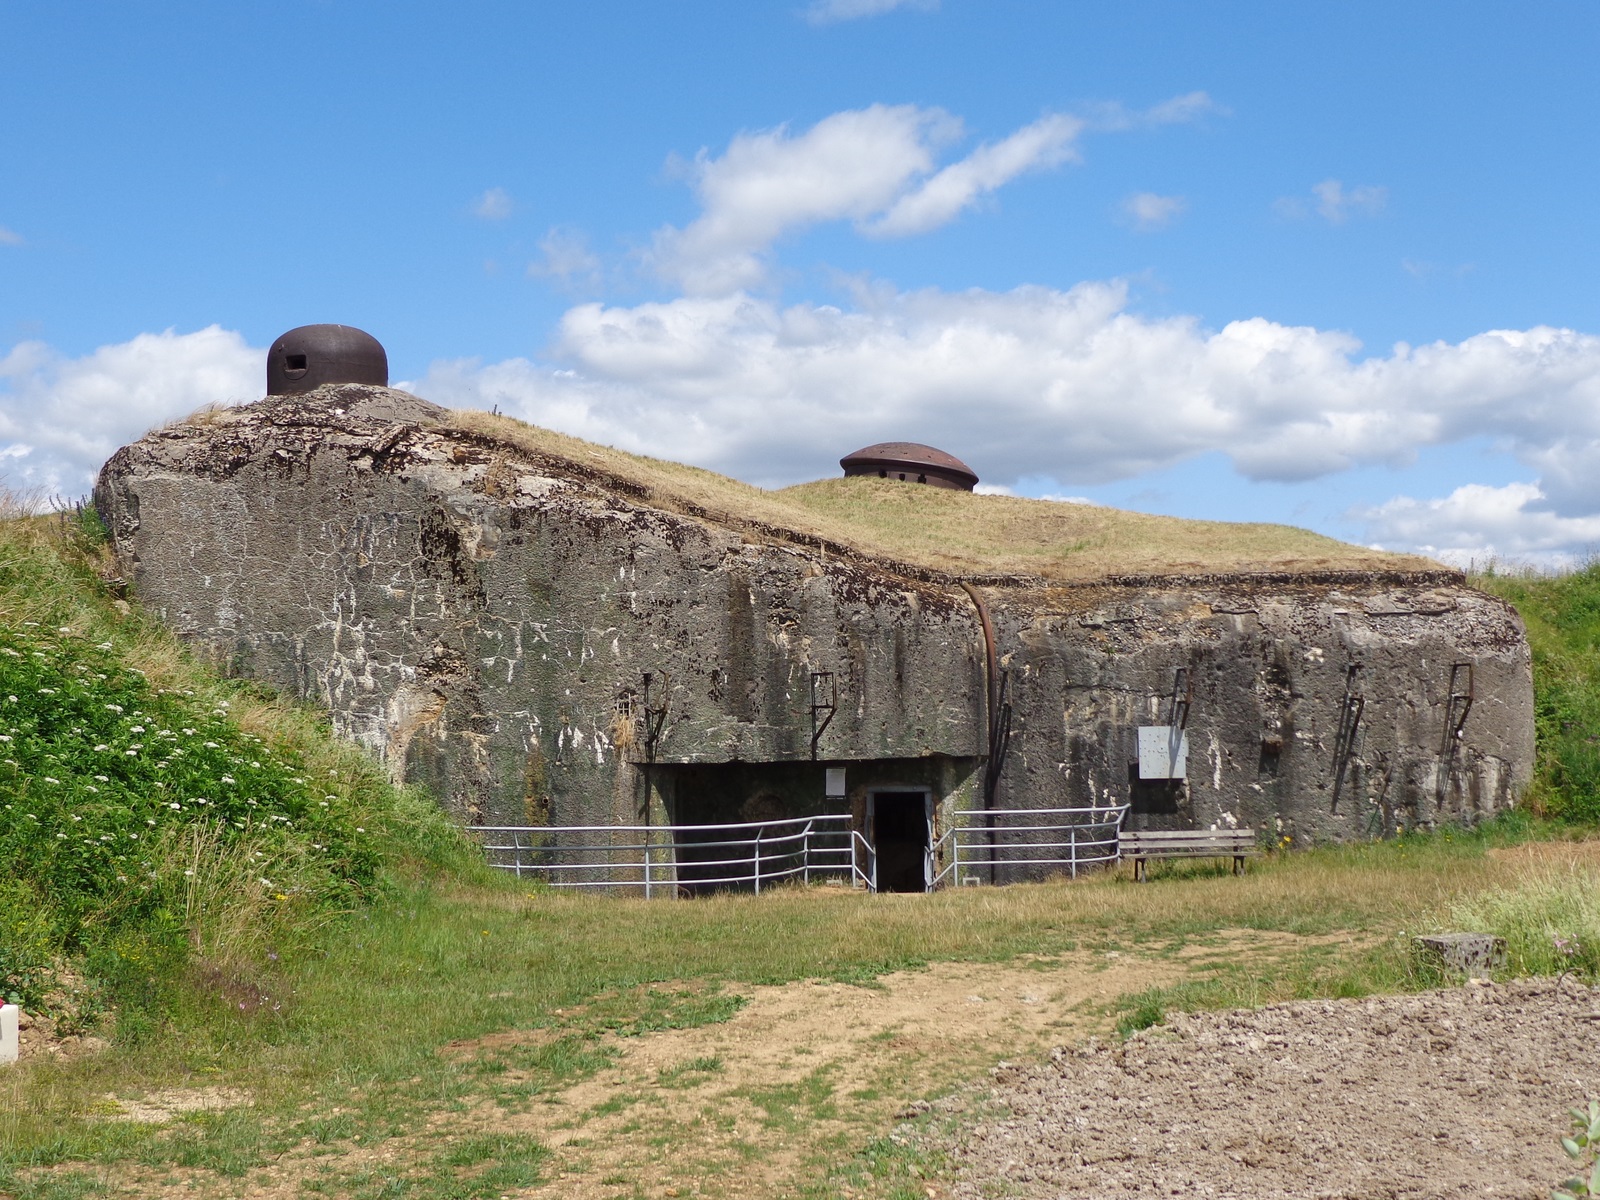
{"x":311,"y":355}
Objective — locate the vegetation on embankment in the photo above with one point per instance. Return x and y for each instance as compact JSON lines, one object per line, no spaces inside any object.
{"x":1562,"y":613}
{"x":447,"y":1014}
{"x":938,"y":529}
{"x":158,"y":824}
{"x":320,"y":962}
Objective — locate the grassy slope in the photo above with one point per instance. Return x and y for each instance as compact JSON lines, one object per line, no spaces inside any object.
{"x":350,"y":1065}
{"x":153,"y":818}
{"x":1562,"y":614}
{"x":960,"y":532}
{"x":344,"y":1062}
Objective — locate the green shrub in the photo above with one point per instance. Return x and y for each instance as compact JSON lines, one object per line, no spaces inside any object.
{"x":100,"y":772}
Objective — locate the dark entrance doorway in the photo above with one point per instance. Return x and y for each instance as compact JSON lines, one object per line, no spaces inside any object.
{"x":900,"y":841}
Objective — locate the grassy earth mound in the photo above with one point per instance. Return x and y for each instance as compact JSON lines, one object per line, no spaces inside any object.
{"x":154,"y":819}
{"x":954,"y":532}
{"x":1562,"y":614}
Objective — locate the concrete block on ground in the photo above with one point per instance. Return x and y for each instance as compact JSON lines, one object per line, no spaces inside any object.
{"x":1475,"y":955}
{"x":9,"y":1014}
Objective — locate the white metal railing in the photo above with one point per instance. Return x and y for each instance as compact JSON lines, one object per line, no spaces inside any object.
{"x":656,"y":858}
{"x":981,"y":841}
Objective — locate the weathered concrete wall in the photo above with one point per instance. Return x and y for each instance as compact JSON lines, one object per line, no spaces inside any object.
{"x":504,"y":629}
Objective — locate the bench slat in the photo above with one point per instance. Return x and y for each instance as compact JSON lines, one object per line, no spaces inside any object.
{"x":1161,"y":844}
{"x":1142,"y":845}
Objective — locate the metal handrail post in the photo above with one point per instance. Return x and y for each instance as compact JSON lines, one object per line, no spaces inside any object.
{"x":647,"y":866}
{"x":805,"y":850}
{"x":759,"y":832}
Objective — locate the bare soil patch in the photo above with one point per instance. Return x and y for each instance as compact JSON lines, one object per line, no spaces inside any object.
{"x":746,"y":1103}
{"x":40,"y":1037}
{"x":1461,"y":1092}
{"x":157,"y":1108}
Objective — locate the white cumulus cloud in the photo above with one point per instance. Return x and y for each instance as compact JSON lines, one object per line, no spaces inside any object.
{"x":1335,"y":203}
{"x":567,"y":259}
{"x":1047,"y":142}
{"x":1477,"y":524}
{"x":850,"y":165}
{"x":61,"y":417}
{"x":1040,"y":382}
{"x":10,"y":237}
{"x":877,"y":167}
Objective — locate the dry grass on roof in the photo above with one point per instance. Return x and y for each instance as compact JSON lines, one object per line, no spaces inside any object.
{"x":957,"y":532}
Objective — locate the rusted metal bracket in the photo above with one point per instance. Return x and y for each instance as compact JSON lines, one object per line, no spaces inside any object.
{"x":1462,"y":693}
{"x":1457,"y":706}
{"x":823,"y":684}
{"x":1182,"y":698}
{"x":655,"y":718}
{"x":1344,"y":743}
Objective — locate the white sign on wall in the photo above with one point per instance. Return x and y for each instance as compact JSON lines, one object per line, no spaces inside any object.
{"x":1163,"y":752}
{"x":835,"y":782}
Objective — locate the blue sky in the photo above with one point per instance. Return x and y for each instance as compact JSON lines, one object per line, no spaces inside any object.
{"x":1151,"y":254}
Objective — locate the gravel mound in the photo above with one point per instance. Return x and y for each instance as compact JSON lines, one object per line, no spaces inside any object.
{"x":1450,"y":1093}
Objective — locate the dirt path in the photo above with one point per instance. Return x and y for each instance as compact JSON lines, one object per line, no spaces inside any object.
{"x":741,"y":1107}
{"x":1452,"y":1093}
{"x":801,"y":1076}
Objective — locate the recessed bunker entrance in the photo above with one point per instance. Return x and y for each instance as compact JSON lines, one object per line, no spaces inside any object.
{"x":868,"y":822}
{"x":900,"y":831}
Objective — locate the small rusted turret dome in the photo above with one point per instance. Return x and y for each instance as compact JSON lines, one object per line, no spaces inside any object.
{"x":912,"y":462}
{"x":312,"y":355}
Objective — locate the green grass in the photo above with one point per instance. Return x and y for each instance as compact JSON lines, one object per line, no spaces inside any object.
{"x":397,"y":992}
{"x":1562,"y":614}
{"x":1549,"y":919}
{"x":158,"y":824}
{"x":371,"y":1008}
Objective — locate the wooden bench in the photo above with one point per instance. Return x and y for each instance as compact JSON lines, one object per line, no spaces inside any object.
{"x":1143,"y":845}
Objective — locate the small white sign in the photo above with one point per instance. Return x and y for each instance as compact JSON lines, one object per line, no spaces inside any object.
{"x":8,"y":1033}
{"x":835,"y":783}
{"x":1163,"y":752}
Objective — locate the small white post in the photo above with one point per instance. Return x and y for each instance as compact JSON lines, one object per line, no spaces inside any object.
{"x":759,"y":832}
{"x":9,"y":1015}
{"x":805,"y":850}
{"x":647,"y":865}
{"x":955,"y":847}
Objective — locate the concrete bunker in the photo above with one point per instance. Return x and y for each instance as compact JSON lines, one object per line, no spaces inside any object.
{"x":620,"y":671}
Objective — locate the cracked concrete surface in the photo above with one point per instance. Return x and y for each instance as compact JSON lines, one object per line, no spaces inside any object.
{"x":504,"y":627}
